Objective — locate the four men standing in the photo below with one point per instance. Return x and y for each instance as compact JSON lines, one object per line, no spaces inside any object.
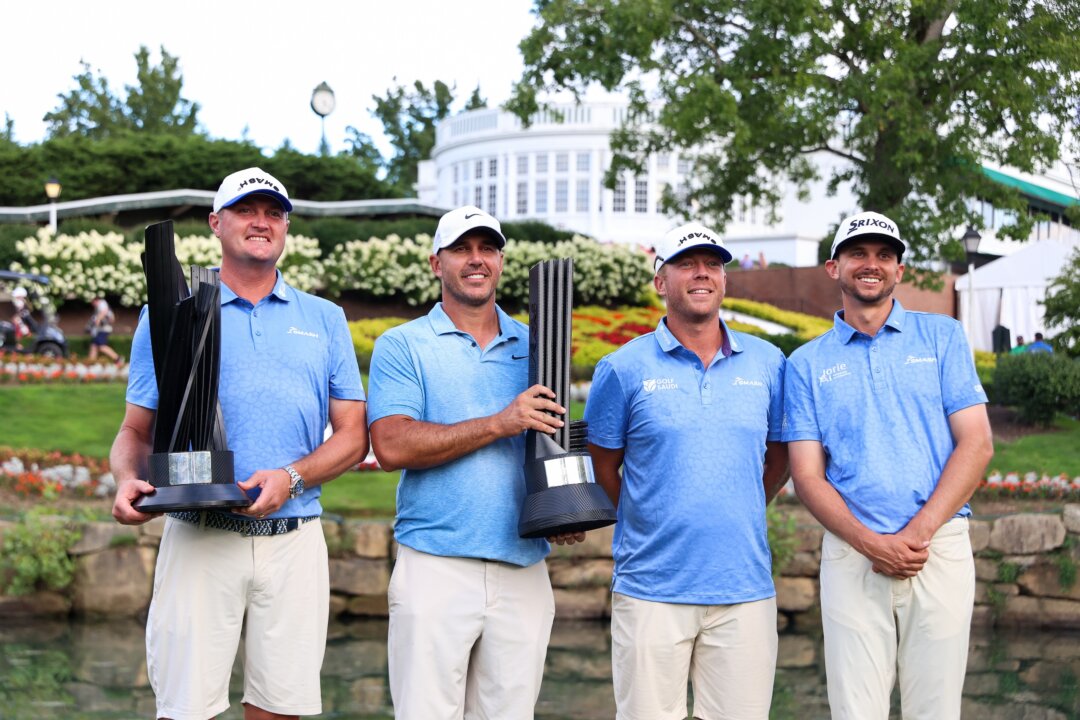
{"x":888,"y":437}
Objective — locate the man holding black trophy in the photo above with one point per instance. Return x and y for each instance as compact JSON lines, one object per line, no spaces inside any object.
{"x":471,"y":605}
{"x":287,"y":367}
{"x":692,"y":414}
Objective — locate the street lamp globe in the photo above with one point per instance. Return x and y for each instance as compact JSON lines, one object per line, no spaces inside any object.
{"x":52,"y":188}
{"x":322,"y":102}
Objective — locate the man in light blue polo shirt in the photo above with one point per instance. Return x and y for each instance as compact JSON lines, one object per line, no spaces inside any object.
{"x":889,"y":438}
{"x":471,"y":605}
{"x":692,"y":414}
{"x":287,"y":368}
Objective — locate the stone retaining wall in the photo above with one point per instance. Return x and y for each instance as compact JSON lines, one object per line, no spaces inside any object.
{"x":1026,"y":565}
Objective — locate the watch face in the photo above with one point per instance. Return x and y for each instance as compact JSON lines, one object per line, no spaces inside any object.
{"x":322,"y":103}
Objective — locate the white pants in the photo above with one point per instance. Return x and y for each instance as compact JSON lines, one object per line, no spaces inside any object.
{"x":728,"y":652}
{"x":208,"y":585}
{"x":468,"y":637}
{"x":874,"y":624}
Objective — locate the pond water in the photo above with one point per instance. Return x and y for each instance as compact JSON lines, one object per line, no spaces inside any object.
{"x":81,"y":670}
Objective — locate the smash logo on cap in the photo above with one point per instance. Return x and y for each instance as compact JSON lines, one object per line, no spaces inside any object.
{"x":270,"y":184}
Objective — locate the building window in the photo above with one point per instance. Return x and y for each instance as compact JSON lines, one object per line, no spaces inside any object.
{"x":684,"y":166}
{"x":493,"y":167}
{"x":455,"y":174}
{"x":562,"y":162}
{"x":478,"y":196}
{"x":663,"y":161}
{"x":523,"y":165}
{"x":583,"y":162}
{"x":455,"y":197}
{"x":479,"y":169}
{"x":541,"y":163}
{"x":641,"y":196}
{"x":618,"y":203}
{"x":522,"y":198}
{"x":541,"y":198}
{"x":582,"y":204}
{"x":562,"y":193}
{"x":491,"y":207}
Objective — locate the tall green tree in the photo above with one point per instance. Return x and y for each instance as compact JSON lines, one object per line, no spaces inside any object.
{"x":1062,"y":303}
{"x":409,"y":117}
{"x":911,"y":95}
{"x":154,"y":104}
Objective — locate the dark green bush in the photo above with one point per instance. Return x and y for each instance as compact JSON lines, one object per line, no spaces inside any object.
{"x":1038,"y":385}
{"x":9,"y":235}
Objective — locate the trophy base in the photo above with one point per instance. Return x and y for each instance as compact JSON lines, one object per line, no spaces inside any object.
{"x":565,"y":509}
{"x":205,"y":496}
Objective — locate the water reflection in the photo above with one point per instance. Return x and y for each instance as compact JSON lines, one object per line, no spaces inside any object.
{"x":84,"y":670}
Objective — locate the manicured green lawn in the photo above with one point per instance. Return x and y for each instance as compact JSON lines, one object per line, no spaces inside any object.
{"x":1050,"y":453}
{"x":69,"y":418}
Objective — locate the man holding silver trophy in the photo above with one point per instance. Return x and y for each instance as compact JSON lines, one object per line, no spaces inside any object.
{"x":287,"y":367}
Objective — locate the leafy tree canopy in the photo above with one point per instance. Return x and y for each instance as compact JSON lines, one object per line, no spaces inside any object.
{"x":154,"y":104}
{"x":409,"y":117}
{"x":1062,"y":314}
{"x":912,"y":96}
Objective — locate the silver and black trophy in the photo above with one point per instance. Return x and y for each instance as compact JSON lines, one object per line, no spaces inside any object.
{"x":563,"y":496}
{"x":191,"y":467}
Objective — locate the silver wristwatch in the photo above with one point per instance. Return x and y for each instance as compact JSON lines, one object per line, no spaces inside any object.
{"x":296,"y":483}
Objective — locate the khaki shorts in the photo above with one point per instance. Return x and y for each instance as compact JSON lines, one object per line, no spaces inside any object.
{"x":874,"y":623}
{"x":467,"y":637}
{"x":728,"y":652}
{"x":207,"y":584}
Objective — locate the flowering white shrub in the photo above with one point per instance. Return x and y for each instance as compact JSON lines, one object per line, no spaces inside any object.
{"x":89,"y":265}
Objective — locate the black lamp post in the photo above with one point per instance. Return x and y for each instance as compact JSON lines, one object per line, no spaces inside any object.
{"x":971,"y":240}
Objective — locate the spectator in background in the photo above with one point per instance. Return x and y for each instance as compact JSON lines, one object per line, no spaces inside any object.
{"x":99,"y":327}
{"x":1020,"y":346}
{"x":22,"y":318}
{"x":762,"y":263}
{"x":1039,"y":346}
{"x":746,"y":263}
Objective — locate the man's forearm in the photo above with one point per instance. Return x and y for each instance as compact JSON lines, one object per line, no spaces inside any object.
{"x":402,"y":442}
{"x":775,"y":471}
{"x":347,"y":446}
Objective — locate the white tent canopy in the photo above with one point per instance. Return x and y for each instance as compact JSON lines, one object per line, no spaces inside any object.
{"x":1008,"y":292}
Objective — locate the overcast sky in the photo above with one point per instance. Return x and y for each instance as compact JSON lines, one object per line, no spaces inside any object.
{"x":255,"y":64}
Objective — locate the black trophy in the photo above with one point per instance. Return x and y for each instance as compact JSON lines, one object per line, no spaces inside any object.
{"x":191,"y":467}
{"x":562,"y":494}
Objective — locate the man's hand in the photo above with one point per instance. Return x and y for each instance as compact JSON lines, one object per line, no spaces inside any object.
{"x":567,"y":538}
{"x":127,"y":492}
{"x":531,"y":411}
{"x":896,"y":555}
{"x":274,"y":492}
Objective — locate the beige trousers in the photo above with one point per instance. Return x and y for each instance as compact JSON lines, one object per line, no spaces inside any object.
{"x":728,"y":652}
{"x":876,"y":626}
{"x":468,"y":637}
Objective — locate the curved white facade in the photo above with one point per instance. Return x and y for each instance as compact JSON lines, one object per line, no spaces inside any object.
{"x":554,"y":171}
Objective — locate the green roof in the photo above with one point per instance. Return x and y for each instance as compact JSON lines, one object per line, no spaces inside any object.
{"x":1032,"y":190}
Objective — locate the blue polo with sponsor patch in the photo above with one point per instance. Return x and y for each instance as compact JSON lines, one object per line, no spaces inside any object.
{"x":691,"y":517}
{"x":880,"y":407}
{"x":281,"y":362}
{"x":429,"y":370}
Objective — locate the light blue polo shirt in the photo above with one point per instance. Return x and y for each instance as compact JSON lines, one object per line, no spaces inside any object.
{"x":880,"y":407}
{"x":691,"y":517}
{"x":429,"y":370}
{"x":281,"y":362}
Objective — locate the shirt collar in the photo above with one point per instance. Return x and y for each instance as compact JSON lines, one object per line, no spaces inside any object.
{"x":845,"y":332}
{"x":280,"y":291}
{"x":668,"y":342}
{"x":443,"y":325}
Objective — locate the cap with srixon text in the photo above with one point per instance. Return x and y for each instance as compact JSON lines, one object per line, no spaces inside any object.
{"x":868,"y":226}
{"x":249,"y":182}
{"x":688,"y":237}
{"x":456,"y":223}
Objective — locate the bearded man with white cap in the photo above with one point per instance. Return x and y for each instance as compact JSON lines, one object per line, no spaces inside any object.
{"x":889,"y":437}
{"x":471,"y":605}
{"x":692,"y":414}
{"x":287,"y":369}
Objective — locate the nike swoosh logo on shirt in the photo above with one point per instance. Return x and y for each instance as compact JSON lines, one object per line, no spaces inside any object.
{"x":519,"y":357}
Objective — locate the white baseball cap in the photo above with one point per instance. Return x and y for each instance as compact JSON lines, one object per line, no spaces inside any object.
{"x":465,"y":219}
{"x":688,"y":237}
{"x":19,"y":292}
{"x":868,"y":226}
{"x":248,"y":182}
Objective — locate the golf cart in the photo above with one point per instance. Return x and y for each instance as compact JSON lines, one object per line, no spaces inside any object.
{"x":21,"y":290}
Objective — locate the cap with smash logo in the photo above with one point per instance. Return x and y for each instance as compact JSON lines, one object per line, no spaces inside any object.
{"x":454,"y":224}
{"x":868,"y":226}
{"x":688,"y":237}
{"x":249,"y":182}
